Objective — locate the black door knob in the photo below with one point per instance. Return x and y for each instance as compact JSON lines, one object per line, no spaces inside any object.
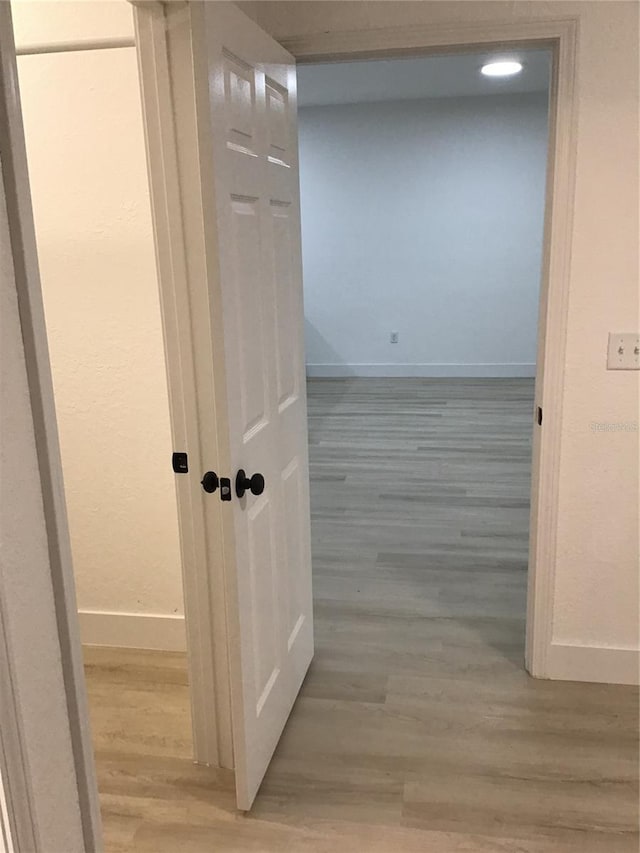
{"x":210,"y":482}
{"x":254,"y":484}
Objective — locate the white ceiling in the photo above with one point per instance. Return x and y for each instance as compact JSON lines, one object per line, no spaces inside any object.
{"x":419,"y":77}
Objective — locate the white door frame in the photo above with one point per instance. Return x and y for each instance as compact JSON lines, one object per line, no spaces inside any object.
{"x":182,"y":264}
{"x":560,"y":35}
{"x":50,"y":799}
{"x":204,"y":584}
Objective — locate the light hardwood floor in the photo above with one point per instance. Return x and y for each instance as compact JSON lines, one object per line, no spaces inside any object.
{"x":417,"y":728}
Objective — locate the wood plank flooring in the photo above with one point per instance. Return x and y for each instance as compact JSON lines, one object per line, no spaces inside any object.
{"x":417,"y":728}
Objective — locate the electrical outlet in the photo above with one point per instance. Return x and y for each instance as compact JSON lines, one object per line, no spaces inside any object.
{"x":394,"y":338}
{"x":624,"y":351}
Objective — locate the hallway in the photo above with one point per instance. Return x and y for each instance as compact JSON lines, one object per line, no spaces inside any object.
{"x":417,"y":728}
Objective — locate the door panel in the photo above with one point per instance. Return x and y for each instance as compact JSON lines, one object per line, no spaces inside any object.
{"x":248,"y":320}
{"x":286,"y":331}
{"x":251,"y":130}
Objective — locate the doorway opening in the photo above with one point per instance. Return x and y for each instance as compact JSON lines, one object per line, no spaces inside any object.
{"x":423,"y":191}
{"x":423,"y":186}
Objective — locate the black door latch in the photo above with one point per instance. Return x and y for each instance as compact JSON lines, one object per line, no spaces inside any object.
{"x":211,"y":483}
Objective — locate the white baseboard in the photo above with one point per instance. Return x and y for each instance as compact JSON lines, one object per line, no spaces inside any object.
{"x":607,"y":665}
{"x":565,"y":662}
{"x":133,"y":630}
{"x":471,"y":371}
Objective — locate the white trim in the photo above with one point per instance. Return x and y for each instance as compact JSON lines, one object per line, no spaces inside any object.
{"x":552,"y":343}
{"x":489,"y":371}
{"x":160,"y":35}
{"x":603,"y":664}
{"x":402,"y":41}
{"x":71,"y":46}
{"x":133,"y":630}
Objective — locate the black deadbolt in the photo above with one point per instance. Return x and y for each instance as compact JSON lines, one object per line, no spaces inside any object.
{"x":210,"y":482}
{"x":254,"y":484}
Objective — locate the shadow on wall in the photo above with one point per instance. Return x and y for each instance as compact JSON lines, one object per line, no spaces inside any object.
{"x":324,"y":352}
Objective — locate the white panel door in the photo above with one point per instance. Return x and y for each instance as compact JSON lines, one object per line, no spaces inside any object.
{"x":252,"y":121}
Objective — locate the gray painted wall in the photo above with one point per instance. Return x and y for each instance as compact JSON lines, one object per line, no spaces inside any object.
{"x":423,"y":217}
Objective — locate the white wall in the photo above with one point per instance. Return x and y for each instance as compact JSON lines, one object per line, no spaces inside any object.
{"x":424,"y":217}
{"x":595,"y":599}
{"x":85,"y":146}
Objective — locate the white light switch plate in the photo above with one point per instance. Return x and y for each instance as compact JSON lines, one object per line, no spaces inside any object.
{"x":624,"y":351}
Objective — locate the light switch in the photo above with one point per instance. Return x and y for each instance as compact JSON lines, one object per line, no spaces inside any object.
{"x":624,"y":351}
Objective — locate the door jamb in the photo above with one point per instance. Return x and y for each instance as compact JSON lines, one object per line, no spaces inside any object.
{"x":180,"y":254}
{"x":204,"y":584}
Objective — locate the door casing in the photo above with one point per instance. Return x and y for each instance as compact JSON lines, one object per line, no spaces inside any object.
{"x":204,"y":584}
{"x":561,"y":37}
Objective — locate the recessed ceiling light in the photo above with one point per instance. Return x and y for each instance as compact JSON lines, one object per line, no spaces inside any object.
{"x":504,"y":68}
